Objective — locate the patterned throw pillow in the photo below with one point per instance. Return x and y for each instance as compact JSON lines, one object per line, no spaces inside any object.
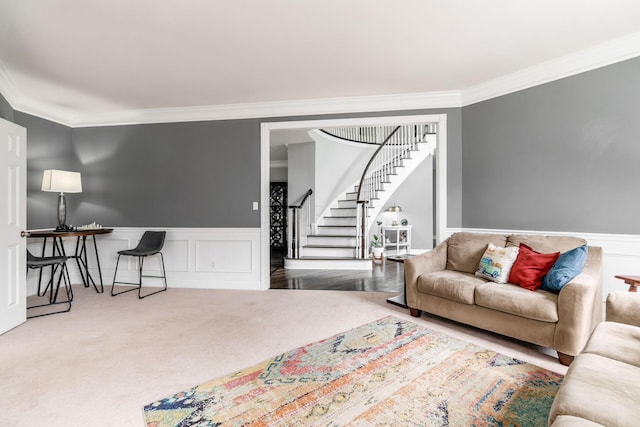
{"x":496,"y":263}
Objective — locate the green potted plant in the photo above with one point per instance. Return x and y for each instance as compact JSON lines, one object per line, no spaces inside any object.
{"x":376,"y":246}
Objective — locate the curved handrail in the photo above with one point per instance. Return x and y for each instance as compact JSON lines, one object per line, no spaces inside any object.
{"x":366,"y":168}
{"x":350,"y":139}
{"x":362,"y":211}
{"x":304,"y":199}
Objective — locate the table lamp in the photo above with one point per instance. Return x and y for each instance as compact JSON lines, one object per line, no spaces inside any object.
{"x":62,"y":182}
{"x":394,"y":210}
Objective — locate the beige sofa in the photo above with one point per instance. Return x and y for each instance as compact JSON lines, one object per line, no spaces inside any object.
{"x":442,"y":282}
{"x":602,"y":385}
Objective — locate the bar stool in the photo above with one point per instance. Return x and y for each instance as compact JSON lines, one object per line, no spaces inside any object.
{"x":57,"y":263}
{"x":150,"y":244}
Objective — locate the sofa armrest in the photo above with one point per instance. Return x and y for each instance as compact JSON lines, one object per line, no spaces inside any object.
{"x":414,"y":267}
{"x":580,"y":306}
{"x":623,"y":307}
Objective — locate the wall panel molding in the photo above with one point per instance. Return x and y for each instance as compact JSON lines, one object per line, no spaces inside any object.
{"x":204,"y":258}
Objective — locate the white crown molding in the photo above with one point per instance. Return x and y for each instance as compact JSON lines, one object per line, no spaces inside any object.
{"x":272,"y":109}
{"x":598,"y":56}
{"x":588,"y":59}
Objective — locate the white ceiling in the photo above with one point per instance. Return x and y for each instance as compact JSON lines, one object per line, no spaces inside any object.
{"x":69,"y":58}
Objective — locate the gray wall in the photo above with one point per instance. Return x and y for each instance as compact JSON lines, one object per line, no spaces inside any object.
{"x":6,"y":112}
{"x":194,"y":174}
{"x":48,"y":147}
{"x":562,"y":156}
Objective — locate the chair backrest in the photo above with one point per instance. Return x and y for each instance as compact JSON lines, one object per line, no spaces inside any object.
{"x":151,"y":241}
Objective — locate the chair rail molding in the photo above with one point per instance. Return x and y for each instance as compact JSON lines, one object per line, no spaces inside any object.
{"x":620,"y":252}
{"x":204,"y":258}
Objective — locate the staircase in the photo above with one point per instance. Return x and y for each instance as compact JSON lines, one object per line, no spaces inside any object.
{"x":340,"y":238}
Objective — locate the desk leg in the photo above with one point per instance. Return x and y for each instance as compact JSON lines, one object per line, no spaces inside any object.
{"x":95,"y":248}
{"x":78,"y":256}
{"x":44,"y":246}
{"x":83,"y":259}
{"x":400,"y":300}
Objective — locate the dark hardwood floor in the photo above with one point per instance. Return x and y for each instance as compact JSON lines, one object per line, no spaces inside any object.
{"x":388,"y":277}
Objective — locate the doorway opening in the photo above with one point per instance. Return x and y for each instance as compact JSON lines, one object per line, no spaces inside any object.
{"x":267,"y":131}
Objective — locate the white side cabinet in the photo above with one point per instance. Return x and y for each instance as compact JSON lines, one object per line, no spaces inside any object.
{"x":397,"y":237}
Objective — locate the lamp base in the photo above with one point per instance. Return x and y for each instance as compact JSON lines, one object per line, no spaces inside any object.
{"x":62,"y":212}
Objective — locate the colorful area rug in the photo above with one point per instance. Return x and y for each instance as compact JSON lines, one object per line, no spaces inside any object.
{"x":389,"y":372}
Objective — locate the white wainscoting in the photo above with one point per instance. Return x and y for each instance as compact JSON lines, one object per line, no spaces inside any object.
{"x":620,"y":253}
{"x":206,"y":258}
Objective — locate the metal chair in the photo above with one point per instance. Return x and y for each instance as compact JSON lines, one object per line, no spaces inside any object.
{"x":56,"y":263}
{"x":150,"y":244}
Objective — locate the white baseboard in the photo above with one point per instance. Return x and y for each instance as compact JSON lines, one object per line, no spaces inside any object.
{"x":206,"y":258}
{"x":620,"y":253}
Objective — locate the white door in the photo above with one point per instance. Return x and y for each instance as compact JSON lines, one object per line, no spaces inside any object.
{"x":13,"y":220}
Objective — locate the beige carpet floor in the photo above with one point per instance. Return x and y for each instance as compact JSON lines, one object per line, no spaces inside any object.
{"x":100,"y":363}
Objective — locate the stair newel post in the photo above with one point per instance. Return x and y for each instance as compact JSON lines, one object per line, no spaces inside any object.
{"x":295,"y":226}
{"x":362,"y":229}
{"x":294,"y":233}
{"x":308,"y":224}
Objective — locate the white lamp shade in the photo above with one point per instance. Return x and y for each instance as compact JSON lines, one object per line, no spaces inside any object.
{"x":61,"y":181}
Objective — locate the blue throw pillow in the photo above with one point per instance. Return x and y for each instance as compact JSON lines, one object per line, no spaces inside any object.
{"x":568,"y":266}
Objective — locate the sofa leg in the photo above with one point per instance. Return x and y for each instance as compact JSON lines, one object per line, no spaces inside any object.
{"x":415,"y":312}
{"x":565,"y":359}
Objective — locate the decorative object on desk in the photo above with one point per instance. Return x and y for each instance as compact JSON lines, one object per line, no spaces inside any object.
{"x":404,"y":222}
{"x":394,"y":210}
{"x":387,"y":372}
{"x":92,"y":226}
{"x":58,"y":181}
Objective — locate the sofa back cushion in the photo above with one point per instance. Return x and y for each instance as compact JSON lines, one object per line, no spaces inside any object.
{"x":546,"y":244}
{"x":465,"y":249}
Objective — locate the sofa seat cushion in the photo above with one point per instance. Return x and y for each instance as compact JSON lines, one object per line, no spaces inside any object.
{"x":601,"y":390}
{"x":512,"y":299}
{"x":616,"y":341}
{"x":452,"y":285}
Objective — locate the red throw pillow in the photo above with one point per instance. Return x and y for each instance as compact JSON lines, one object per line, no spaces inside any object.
{"x":530,"y":267}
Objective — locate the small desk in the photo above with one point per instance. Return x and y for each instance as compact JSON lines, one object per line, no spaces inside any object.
{"x":80,"y":253}
{"x":632,"y":281}
{"x":399,"y":300}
